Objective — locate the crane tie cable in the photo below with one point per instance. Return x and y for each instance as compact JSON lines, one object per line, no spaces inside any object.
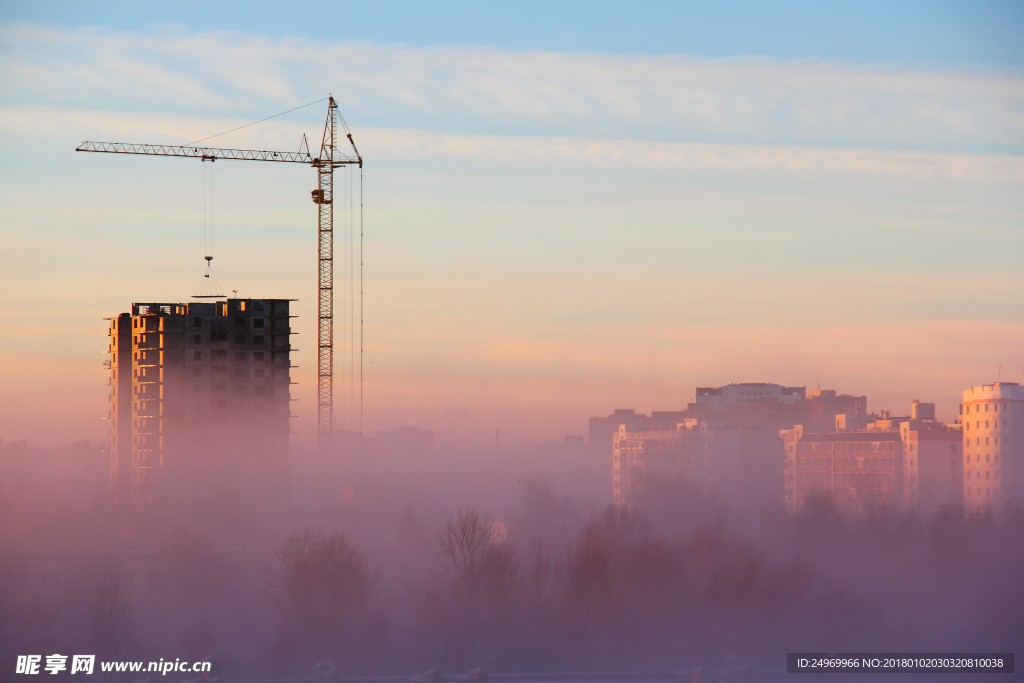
{"x":255,"y":122}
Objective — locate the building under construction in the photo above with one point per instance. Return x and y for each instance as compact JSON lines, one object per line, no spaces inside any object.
{"x":200,"y":399}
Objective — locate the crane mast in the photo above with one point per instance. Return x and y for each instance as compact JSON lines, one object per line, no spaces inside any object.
{"x":329,"y":159}
{"x":324,"y":198}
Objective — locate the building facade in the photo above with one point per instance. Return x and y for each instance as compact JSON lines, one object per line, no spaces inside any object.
{"x":992,"y":416}
{"x":199,"y":398}
{"x":641,"y":458}
{"x":932,"y":462}
{"x":860,"y":470}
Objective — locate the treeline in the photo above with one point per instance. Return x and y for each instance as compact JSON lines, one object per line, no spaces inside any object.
{"x":680,"y":581}
{"x":621,"y":590}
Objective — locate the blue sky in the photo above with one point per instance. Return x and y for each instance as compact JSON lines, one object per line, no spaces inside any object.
{"x":569,"y":207}
{"x":946,"y":32}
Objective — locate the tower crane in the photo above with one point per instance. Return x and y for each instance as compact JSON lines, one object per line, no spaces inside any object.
{"x":329,"y":158}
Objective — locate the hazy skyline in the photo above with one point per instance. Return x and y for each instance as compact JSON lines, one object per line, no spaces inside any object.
{"x":555,"y":226}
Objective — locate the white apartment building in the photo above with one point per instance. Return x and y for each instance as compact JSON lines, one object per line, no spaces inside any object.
{"x":993,"y":431}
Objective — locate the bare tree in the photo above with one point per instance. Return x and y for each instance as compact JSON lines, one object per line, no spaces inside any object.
{"x":463,"y":545}
{"x":111,"y":624}
{"x":481,"y":577}
{"x":322,"y":583}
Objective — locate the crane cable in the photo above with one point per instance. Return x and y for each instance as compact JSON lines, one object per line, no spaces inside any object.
{"x":255,"y":122}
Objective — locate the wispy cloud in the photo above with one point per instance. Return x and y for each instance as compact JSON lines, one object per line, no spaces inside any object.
{"x":531,"y":93}
{"x":665,"y":157}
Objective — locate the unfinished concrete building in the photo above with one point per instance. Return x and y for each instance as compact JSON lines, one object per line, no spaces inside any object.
{"x":200,"y":399}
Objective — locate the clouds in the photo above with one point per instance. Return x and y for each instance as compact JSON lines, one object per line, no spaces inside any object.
{"x":528,"y":93}
{"x":552,"y":152}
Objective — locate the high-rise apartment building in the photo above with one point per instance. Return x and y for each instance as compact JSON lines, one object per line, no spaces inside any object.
{"x":641,"y":458}
{"x":200,"y":398}
{"x":860,"y":470}
{"x":992,"y":416}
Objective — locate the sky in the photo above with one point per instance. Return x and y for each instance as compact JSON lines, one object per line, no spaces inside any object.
{"x":569,"y":207}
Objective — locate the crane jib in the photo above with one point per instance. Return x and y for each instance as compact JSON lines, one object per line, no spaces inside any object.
{"x":210,"y":153}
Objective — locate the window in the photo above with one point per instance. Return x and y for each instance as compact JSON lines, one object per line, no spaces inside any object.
{"x":197,"y":355}
{"x":239,"y":338}
{"x":257,"y":357}
{"x":258,"y":322}
{"x":986,"y":457}
{"x":239,"y":322}
{"x":986,"y":424}
{"x":258,"y":339}
{"x":977,"y":424}
{"x":986,"y":407}
{"x":240,"y":356}
{"x":197,"y":322}
{"x":197,"y":338}
{"x":995,"y":407}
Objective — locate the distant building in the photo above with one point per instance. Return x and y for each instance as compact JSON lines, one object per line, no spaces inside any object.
{"x":405,"y":440}
{"x":825,"y":405}
{"x":642,"y":456}
{"x":731,"y":446}
{"x":742,"y":463}
{"x":199,"y":397}
{"x":860,"y":470}
{"x":739,"y":464}
{"x":747,"y":393}
{"x":78,"y":469}
{"x":602,"y":429}
{"x":932,"y":463}
{"x":992,"y":416}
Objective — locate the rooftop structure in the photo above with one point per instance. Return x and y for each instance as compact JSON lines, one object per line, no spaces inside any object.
{"x":748,"y":393}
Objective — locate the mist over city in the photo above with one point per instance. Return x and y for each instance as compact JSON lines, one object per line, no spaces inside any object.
{"x":469,"y":343}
